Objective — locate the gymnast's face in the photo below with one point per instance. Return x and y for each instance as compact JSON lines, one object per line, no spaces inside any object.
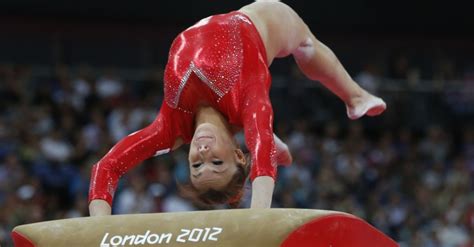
{"x":213,"y":158}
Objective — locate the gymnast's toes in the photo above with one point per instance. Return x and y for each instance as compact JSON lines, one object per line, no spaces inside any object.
{"x":365,"y":105}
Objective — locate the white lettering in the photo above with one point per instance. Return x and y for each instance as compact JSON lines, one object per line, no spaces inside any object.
{"x":185,"y":232}
{"x":141,"y":238}
{"x":206,"y":234}
{"x":168,"y":237}
{"x":103,"y":244}
{"x":217,"y":231}
{"x":155,"y":236}
{"x":116,"y":240}
{"x":149,"y":238}
{"x":196,"y":238}
{"x":129,"y":238}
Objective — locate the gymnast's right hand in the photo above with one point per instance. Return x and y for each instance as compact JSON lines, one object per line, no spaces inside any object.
{"x":99,"y":207}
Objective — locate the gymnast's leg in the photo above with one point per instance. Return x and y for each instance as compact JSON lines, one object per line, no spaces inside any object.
{"x":319,"y":63}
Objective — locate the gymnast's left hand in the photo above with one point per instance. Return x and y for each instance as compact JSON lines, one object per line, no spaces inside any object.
{"x":262,"y":192}
{"x":99,"y":207}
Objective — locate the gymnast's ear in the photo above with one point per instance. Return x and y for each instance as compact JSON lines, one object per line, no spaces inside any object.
{"x":240,"y":157}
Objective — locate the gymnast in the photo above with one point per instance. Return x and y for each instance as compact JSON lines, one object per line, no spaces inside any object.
{"x":217,"y":83}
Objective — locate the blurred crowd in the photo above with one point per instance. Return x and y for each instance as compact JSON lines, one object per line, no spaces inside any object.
{"x":408,"y":172}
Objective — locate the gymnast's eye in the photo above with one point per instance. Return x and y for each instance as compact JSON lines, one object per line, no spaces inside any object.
{"x":196,"y":165}
{"x":217,"y":162}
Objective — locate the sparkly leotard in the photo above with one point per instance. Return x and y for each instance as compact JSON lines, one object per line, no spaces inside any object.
{"x":220,"y":62}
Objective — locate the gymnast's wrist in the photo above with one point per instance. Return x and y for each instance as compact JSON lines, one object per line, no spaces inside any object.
{"x":99,"y":207}
{"x":261,"y":171}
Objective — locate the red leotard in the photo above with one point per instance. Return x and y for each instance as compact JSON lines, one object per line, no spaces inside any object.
{"x":221,"y":62}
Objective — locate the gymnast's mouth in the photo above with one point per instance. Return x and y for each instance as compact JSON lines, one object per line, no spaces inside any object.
{"x":206,"y":140}
{"x":204,"y":137}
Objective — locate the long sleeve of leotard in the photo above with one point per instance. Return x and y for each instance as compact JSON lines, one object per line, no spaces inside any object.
{"x":155,"y":139}
{"x":257,"y":117}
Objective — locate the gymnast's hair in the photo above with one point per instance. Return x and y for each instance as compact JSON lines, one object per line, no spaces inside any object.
{"x":231,"y":195}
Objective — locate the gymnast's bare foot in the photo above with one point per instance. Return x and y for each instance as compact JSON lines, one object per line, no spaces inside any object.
{"x":365,"y":104}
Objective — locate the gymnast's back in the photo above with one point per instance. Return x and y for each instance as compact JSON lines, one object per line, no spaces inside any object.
{"x":219,"y":62}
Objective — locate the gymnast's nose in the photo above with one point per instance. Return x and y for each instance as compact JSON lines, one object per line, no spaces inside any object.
{"x":203,"y":148}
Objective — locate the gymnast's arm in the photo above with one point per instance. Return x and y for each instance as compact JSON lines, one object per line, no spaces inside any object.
{"x":257,"y":117}
{"x":155,"y":139}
